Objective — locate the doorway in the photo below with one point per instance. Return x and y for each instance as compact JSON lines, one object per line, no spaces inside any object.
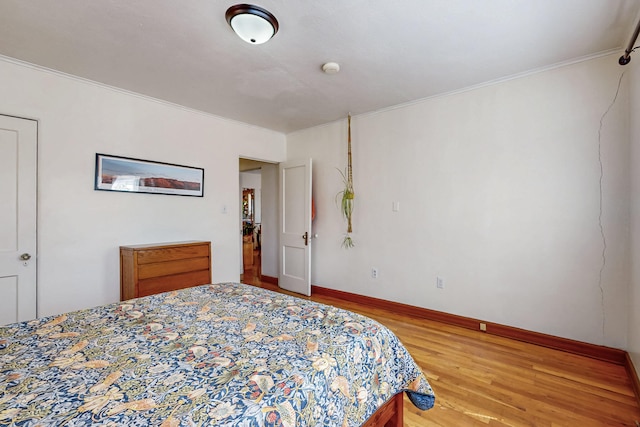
{"x":251,"y":235}
{"x":258,"y":220}
{"x":266,"y":240}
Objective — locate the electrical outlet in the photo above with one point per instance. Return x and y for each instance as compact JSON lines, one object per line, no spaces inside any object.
{"x":374,"y":273}
{"x":439,"y":283}
{"x":483,"y":327}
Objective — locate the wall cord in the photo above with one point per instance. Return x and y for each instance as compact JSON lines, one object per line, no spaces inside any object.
{"x":602,"y":234}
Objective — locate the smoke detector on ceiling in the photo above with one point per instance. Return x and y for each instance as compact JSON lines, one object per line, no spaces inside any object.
{"x":331,"y":67}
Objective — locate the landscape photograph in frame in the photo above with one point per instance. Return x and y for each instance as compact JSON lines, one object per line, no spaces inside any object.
{"x":115,"y":173}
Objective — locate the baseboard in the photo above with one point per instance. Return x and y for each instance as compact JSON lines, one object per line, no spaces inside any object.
{"x":633,"y":376}
{"x":607,"y":354}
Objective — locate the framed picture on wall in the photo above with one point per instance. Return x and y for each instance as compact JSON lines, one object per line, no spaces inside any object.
{"x":115,"y":173}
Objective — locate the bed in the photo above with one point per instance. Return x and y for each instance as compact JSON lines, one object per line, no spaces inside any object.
{"x":224,"y":354}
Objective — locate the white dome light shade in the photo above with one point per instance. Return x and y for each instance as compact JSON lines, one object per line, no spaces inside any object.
{"x":252,"y":23}
{"x":252,"y":28}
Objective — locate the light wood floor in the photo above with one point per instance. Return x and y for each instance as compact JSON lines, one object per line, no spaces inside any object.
{"x":484,"y":380}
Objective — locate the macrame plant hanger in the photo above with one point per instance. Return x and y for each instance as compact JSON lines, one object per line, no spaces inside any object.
{"x":347,"y":193}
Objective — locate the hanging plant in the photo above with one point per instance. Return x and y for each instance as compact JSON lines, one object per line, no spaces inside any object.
{"x":347,"y":194}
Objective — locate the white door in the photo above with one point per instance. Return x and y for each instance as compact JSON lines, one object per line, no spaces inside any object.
{"x":295,"y":226}
{"x":18,"y":140}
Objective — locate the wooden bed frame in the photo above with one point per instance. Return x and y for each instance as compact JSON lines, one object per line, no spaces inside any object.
{"x":388,"y":415}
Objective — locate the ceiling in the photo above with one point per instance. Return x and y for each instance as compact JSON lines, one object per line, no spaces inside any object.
{"x":390,"y":52}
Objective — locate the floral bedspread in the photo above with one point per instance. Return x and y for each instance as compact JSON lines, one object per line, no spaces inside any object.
{"x":224,"y":354}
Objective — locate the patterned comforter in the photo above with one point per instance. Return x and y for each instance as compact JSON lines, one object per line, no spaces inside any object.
{"x":224,"y":354}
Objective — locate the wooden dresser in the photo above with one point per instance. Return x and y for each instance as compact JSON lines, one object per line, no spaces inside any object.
{"x":161,"y":267}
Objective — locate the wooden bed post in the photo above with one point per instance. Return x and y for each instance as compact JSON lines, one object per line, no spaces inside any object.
{"x":389,"y":414}
{"x":397,"y":417}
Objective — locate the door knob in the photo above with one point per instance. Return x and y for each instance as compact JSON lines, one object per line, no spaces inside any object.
{"x":25,"y":257}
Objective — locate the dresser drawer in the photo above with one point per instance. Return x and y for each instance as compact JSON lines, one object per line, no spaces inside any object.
{"x":167,"y":268}
{"x":148,"y":256}
{"x":157,"y":285}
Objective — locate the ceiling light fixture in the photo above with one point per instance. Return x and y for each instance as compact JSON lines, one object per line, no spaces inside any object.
{"x":251,"y":23}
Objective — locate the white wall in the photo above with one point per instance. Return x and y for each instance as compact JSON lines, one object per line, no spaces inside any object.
{"x":498,"y":191}
{"x":634,"y":288}
{"x":79,"y":229}
{"x":499,"y":195}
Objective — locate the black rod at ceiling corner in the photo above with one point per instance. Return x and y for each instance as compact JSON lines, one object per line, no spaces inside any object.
{"x":626,"y":58}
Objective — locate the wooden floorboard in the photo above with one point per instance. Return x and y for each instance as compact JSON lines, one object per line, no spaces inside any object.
{"x":487,"y":380}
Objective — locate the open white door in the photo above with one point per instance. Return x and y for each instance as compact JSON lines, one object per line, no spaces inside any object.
{"x":18,"y":140}
{"x":295,"y":226}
